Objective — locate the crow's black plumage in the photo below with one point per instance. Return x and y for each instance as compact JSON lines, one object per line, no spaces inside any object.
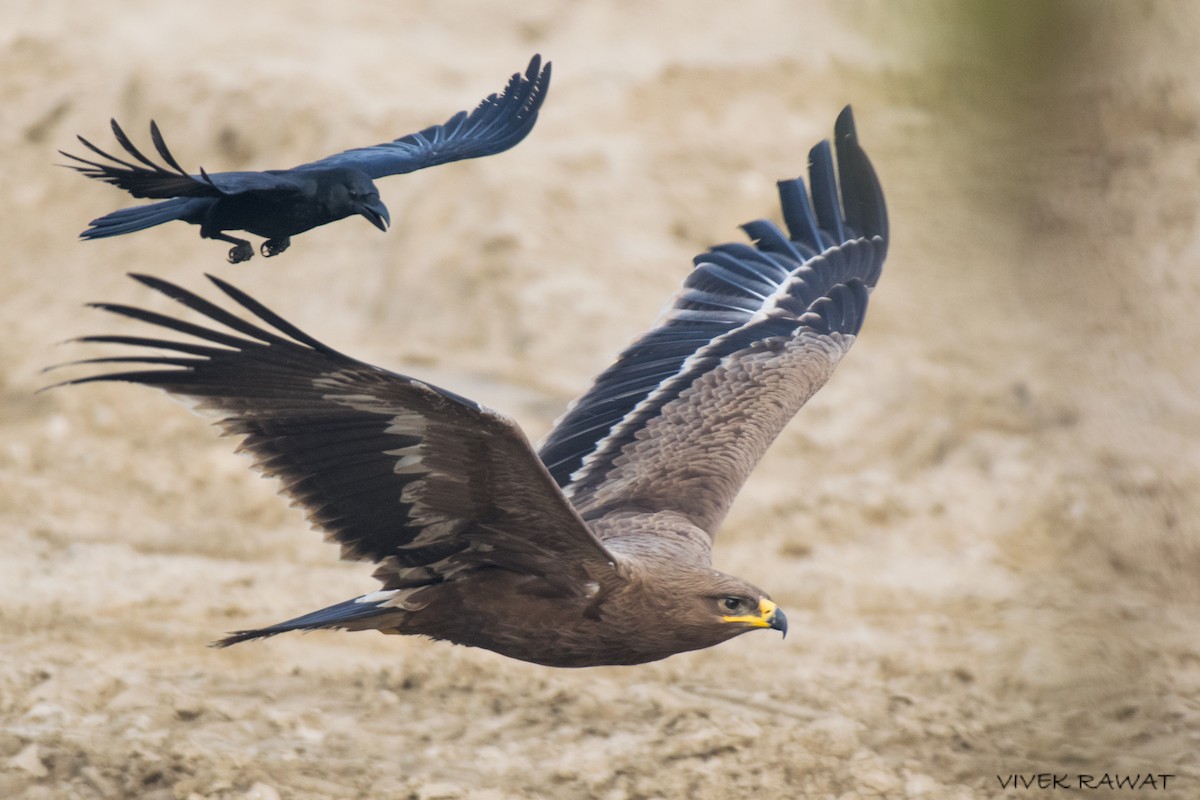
{"x":278,"y":204}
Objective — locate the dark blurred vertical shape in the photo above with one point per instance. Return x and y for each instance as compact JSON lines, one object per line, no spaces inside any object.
{"x":1072,"y":124}
{"x":1073,"y":129}
{"x":1054,"y":228}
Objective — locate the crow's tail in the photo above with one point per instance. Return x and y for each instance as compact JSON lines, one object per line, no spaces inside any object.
{"x":128,"y":220}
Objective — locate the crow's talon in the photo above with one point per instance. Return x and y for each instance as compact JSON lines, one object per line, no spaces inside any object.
{"x":240,"y":253}
{"x":273,"y":247}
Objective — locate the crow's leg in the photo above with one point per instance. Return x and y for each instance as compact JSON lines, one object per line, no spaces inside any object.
{"x":241,"y":250}
{"x":273,"y":247}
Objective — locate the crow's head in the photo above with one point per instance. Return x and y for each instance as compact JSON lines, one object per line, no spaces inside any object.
{"x":352,"y":192}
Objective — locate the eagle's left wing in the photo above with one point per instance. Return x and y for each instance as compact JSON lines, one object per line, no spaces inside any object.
{"x":682,"y":417}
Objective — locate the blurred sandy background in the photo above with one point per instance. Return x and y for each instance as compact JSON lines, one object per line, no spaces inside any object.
{"x":984,"y":529}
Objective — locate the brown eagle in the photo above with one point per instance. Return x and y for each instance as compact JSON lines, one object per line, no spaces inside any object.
{"x":595,"y":549}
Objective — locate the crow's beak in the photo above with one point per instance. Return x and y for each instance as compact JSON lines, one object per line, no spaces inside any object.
{"x":377,"y":213}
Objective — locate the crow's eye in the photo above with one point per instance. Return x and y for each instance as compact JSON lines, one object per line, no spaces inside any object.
{"x":731,"y":603}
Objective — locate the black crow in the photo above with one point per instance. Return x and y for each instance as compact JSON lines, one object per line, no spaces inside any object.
{"x":278,"y":204}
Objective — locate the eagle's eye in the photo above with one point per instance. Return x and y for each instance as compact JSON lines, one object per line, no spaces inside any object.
{"x":731,"y":603}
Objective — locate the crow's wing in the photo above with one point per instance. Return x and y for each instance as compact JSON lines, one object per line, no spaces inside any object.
{"x":417,"y":479}
{"x":150,"y":180}
{"x":496,"y":124}
{"x":682,"y":417}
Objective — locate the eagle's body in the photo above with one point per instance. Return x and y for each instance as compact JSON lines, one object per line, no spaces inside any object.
{"x":630,"y":614}
{"x":630,"y":619}
{"x":597,"y":548}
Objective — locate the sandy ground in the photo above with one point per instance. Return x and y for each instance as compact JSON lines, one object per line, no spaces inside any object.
{"x":984,"y":529}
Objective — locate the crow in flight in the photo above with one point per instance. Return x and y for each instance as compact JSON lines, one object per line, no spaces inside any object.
{"x":278,"y":204}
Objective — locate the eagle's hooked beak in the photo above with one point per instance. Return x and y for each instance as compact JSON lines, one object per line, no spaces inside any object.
{"x":769,"y":616}
{"x":376,"y":212}
{"x":778,"y":620}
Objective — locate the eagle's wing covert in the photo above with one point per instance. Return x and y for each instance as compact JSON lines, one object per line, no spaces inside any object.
{"x":682,"y":417}
{"x":423,"y":482}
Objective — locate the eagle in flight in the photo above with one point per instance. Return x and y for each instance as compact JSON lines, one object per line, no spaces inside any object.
{"x":596,"y":548}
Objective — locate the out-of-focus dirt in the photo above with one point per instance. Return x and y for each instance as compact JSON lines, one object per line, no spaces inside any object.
{"x":983,"y":529}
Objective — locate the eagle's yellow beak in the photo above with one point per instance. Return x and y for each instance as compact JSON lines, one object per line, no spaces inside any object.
{"x":769,"y":616}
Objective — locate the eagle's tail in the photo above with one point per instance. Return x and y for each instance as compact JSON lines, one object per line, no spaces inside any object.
{"x":361,"y":613}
